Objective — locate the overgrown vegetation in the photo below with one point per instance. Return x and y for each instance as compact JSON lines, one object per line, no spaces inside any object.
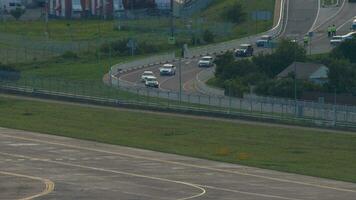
{"x":238,"y":76}
{"x":235,"y":13}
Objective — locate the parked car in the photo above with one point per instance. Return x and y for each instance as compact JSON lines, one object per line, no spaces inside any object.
{"x":145,"y":75}
{"x":167,"y":69}
{"x":151,"y":81}
{"x":264,"y":41}
{"x":206,"y":61}
{"x":245,"y":50}
{"x":337,"y":39}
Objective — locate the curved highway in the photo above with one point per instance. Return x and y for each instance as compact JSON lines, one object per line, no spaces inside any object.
{"x":300,"y":17}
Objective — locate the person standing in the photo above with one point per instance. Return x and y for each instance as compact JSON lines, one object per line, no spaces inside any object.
{"x":333,"y":30}
{"x":329,"y":31}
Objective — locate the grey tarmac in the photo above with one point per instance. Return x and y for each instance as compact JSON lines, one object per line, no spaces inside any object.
{"x":88,"y":170}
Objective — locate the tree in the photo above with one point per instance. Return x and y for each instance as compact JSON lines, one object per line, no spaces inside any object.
{"x":342,"y":76}
{"x":346,"y":50}
{"x":235,"y":13}
{"x":17,"y":13}
{"x":286,"y":53}
{"x":208,"y":36}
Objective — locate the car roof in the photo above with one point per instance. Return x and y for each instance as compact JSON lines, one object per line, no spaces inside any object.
{"x":245,"y":45}
{"x":152,"y":77}
{"x":266,"y":36}
{"x":209,"y":57}
{"x":148,"y":72}
{"x":168,"y":65}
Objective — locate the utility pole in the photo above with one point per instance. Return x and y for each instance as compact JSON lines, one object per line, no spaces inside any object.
{"x":46,"y":18}
{"x":295,"y":78}
{"x":180,"y":72}
{"x":172,"y":19}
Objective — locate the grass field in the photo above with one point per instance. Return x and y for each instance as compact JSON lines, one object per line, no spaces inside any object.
{"x":30,"y":39}
{"x":310,"y":152}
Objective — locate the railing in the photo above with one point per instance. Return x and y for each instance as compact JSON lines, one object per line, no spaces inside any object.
{"x":284,"y":111}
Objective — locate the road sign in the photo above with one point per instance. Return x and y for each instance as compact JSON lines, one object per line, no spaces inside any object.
{"x":132,"y":44}
{"x":311,"y":34}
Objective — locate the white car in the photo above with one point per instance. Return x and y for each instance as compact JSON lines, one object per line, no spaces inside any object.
{"x":151,"y":81}
{"x":337,"y":39}
{"x":145,"y":75}
{"x":206,"y":61}
{"x":167,"y":69}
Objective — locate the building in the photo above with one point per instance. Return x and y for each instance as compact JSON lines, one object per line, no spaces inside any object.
{"x":313,"y":72}
{"x":102,"y":8}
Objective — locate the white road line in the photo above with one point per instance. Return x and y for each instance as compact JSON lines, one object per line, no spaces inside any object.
{"x":342,"y":25}
{"x":331,"y":17}
{"x":248,"y":193}
{"x":49,"y":185}
{"x":184,"y":164}
{"x":317,"y":16}
{"x":203,"y":191}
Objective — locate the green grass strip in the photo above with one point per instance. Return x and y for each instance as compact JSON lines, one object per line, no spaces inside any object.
{"x":310,"y":152}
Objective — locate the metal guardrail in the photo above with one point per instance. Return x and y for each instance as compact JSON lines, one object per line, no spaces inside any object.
{"x":175,"y":106}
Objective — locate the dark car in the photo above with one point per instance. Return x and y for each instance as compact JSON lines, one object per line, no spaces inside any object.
{"x":264,"y":41}
{"x":245,"y":50}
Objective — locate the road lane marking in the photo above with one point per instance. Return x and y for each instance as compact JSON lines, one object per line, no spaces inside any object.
{"x":248,"y":193}
{"x":50,"y":188}
{"x":184,"y":164}
{"x":49,"y":185}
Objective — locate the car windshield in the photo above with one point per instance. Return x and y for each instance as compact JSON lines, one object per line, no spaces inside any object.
{"x":151,"y":79}
{"x":206,"y":59}
{"x":147,"y":73}
{"x":266,"y":37}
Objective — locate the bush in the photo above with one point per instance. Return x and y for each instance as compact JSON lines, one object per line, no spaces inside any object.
{"x":9,"y":73}
{"x":69,"y":55}
{"x":235,"y":13}
{"x":208,"y":36}
{"x":346,"y":50}
{"x":17,"y":13}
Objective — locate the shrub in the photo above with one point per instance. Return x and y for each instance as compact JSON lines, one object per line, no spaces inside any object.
{"x":69,"y":55}
{"x":208,"y":36}
{"x":235,"y":13}
{"x":17,"y":13}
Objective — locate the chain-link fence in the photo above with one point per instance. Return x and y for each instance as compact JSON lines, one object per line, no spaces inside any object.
{"x":264,"y":109}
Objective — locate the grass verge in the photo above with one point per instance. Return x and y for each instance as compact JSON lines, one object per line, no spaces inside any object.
{"x":309,"y":152}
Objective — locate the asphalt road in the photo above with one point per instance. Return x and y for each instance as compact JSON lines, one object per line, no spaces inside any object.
{"x":301,"y":17}
{"x":67,"y":168}
{"x":342,"y":19}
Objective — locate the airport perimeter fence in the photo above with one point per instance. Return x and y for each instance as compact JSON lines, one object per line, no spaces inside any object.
{"x":287,"y":111}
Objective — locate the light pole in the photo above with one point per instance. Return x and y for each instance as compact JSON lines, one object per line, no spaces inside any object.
{"x":295,"y":78}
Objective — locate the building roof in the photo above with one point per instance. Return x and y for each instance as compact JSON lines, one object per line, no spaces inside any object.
{"x":304,"y":70}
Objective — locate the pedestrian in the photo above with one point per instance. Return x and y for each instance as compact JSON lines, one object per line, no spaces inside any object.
{"x":329,"y":31}
{"x":333,"y":30}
